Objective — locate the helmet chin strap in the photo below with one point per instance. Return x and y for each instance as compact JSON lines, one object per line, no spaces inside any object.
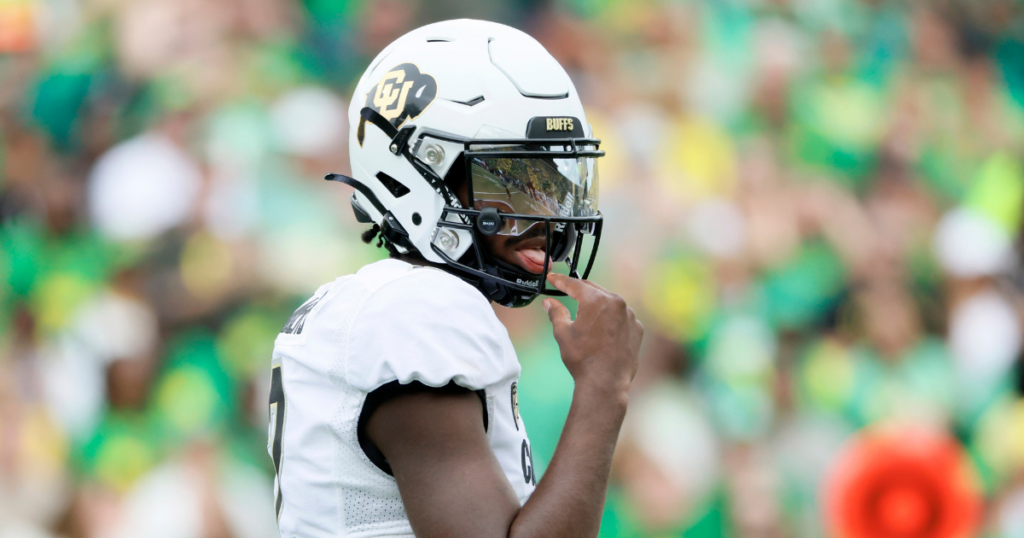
{"x":502,"y":294}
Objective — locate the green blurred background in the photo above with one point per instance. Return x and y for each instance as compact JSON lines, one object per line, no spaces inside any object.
{"x":815,"y":207}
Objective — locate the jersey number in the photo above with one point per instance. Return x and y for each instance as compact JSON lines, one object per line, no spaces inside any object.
{"x":277,"y":410}
{"x":527,"y":457}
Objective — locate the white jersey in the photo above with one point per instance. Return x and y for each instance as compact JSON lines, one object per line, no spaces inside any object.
{"x":390,"y":322}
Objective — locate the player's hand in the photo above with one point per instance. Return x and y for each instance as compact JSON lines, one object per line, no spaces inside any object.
{"x":602,"y":345}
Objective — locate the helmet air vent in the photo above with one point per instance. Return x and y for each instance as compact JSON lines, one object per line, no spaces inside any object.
{"x":471,"y":102}
{"x":395,"y":187}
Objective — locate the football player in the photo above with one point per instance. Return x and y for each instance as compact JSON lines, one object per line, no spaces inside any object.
{"x":393,"y":403}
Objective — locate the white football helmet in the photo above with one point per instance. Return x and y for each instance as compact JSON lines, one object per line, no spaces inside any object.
{"x":484,"y":105}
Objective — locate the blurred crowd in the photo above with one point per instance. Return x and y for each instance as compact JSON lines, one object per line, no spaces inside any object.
{"x":815,"y":207}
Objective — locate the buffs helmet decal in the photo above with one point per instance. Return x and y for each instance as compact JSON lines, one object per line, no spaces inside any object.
{"x":402,"y":93}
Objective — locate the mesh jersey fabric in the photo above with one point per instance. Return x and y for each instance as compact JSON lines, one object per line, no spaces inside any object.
{"x":391,"y":321}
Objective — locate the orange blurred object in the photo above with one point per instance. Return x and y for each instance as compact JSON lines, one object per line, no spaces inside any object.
{"x":17,"y":26}
{"x":903,"y":483}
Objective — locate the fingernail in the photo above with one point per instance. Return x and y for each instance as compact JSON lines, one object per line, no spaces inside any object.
{"x":546,"y":304}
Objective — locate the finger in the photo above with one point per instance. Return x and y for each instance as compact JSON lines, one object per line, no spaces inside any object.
{"x":573,"y":287}
{"x":590,"y":283}
{"x":558,"y":313}
{"x":596,"y":285}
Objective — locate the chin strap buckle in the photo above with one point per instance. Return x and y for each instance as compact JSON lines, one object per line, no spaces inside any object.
{"x":394,"y":232}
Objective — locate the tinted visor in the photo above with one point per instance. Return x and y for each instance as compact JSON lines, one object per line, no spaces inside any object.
{"x":528,"y":184}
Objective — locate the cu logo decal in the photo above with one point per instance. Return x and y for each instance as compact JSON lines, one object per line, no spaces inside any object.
{"x":402,"y":93}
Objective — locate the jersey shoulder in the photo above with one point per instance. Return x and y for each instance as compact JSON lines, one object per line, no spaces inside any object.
{"x":423,"y":324}
{"x":392,"y":276}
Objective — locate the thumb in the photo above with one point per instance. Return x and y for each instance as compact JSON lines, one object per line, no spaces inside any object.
{"x":558,"y":313}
